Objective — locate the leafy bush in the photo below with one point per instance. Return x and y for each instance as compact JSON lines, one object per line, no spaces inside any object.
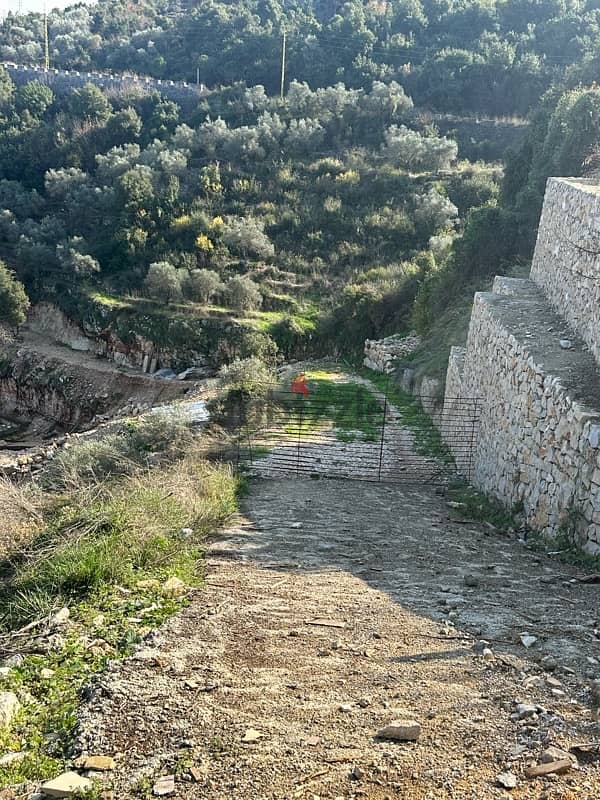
{"x":88,"y":461}
{"x":247,"y":376}
{"x":202,"y":285}
{"x":13,"y":298}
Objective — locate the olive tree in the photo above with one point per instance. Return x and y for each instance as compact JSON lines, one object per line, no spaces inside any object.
{"x":163,"y":281}
{"x":202,"y":285}
{"x":243,"y":294}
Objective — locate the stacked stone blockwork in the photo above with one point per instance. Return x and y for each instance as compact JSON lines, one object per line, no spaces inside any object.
{"x":533,"y":360}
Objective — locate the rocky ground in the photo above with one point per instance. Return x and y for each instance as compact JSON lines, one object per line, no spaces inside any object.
{"x":334,"y":609}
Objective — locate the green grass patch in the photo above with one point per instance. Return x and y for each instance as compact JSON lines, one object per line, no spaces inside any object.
{"x":565,"y":546}
{"x":109,"y":301}
{"x":349,"y":407}
{"x":304,"y":320}
{"x":469,"y":504}
{"x":104,"y":551}
{"x":427,"y":438}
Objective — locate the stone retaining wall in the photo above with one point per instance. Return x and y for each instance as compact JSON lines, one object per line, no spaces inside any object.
{"x":537,"y":448}
{"x":532,"y":357}
{"x":566,"y":264}
{"x":62,"y":81}
{"x":382,"y":355}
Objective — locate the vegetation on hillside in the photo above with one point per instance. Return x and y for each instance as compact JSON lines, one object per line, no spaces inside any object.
{"x":316,"y":219}
{"x":252,"y":225}
{"x":13,"y":298}
{"x":492,"y":58}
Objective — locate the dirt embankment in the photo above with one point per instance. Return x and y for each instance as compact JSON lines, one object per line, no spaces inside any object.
{"x":48,"y":389}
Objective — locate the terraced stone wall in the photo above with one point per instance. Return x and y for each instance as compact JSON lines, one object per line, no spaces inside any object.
{"x":537,"y":447}
{"x":566,"y":263}
{"x":532,"y":357}
{"x":62,"y":81}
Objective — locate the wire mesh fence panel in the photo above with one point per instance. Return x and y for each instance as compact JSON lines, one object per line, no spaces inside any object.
{"x":362,"y":438}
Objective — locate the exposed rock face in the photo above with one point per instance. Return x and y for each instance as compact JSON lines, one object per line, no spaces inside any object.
{"x":48,"y":395}
{"x":49,"y":320}
{"x":99,"y":338}
{"x":536,"y":375}
{"x":383,"y":354}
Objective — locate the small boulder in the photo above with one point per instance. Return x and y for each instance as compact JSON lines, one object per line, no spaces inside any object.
{"x":524,"y":710}
{"x":12,"y":758}
{"x":96,"y":763}
{"x":9,"y":705}
{"x":251,"y":735}
{"x":60,"y":618}
{"x":550,"y":768}
{"x":14,"y":661}
{"x":553,"y":753}
{"x":401,"y":730}
{"x":166,"y":374}
{"x":527,"y":640}
{"x":164,"y":786}
{"x":173,"y":587}
{"x":66,"y":785}
{"x":507,"y":780}
{"x":549,"y":663}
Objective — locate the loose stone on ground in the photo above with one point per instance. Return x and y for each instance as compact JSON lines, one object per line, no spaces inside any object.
{"x":66,"y":785}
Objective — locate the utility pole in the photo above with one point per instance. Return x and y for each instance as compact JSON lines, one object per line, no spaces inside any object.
{"x":282,"y":90}
{"x":46,"y":42}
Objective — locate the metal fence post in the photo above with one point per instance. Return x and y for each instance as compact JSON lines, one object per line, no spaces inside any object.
{"x":239,"y":435}
{"x":382,"y":438}
{"x":300,"y":421}
{"x":249,"y":444}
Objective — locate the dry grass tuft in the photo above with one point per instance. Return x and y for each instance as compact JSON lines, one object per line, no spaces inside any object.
{"x":20,"y":515}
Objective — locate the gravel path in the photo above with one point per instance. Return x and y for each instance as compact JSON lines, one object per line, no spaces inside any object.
{"x":391,"y":453}
{"x":331,"y":609}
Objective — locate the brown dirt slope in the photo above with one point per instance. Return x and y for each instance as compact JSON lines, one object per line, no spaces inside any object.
{"x":384,"y":568}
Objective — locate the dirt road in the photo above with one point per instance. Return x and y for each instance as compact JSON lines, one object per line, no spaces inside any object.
{"x":333,"y":609}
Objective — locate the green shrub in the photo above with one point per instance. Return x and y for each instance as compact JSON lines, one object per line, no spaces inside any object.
{"x":88,"y":461}
{"x":247,"y":377}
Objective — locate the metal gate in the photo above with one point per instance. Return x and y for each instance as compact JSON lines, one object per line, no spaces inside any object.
{"x":361,"y":437}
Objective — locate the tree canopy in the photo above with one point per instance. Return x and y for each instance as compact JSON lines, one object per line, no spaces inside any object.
{"x":13,"y":298}
{"x":327,"y":212}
